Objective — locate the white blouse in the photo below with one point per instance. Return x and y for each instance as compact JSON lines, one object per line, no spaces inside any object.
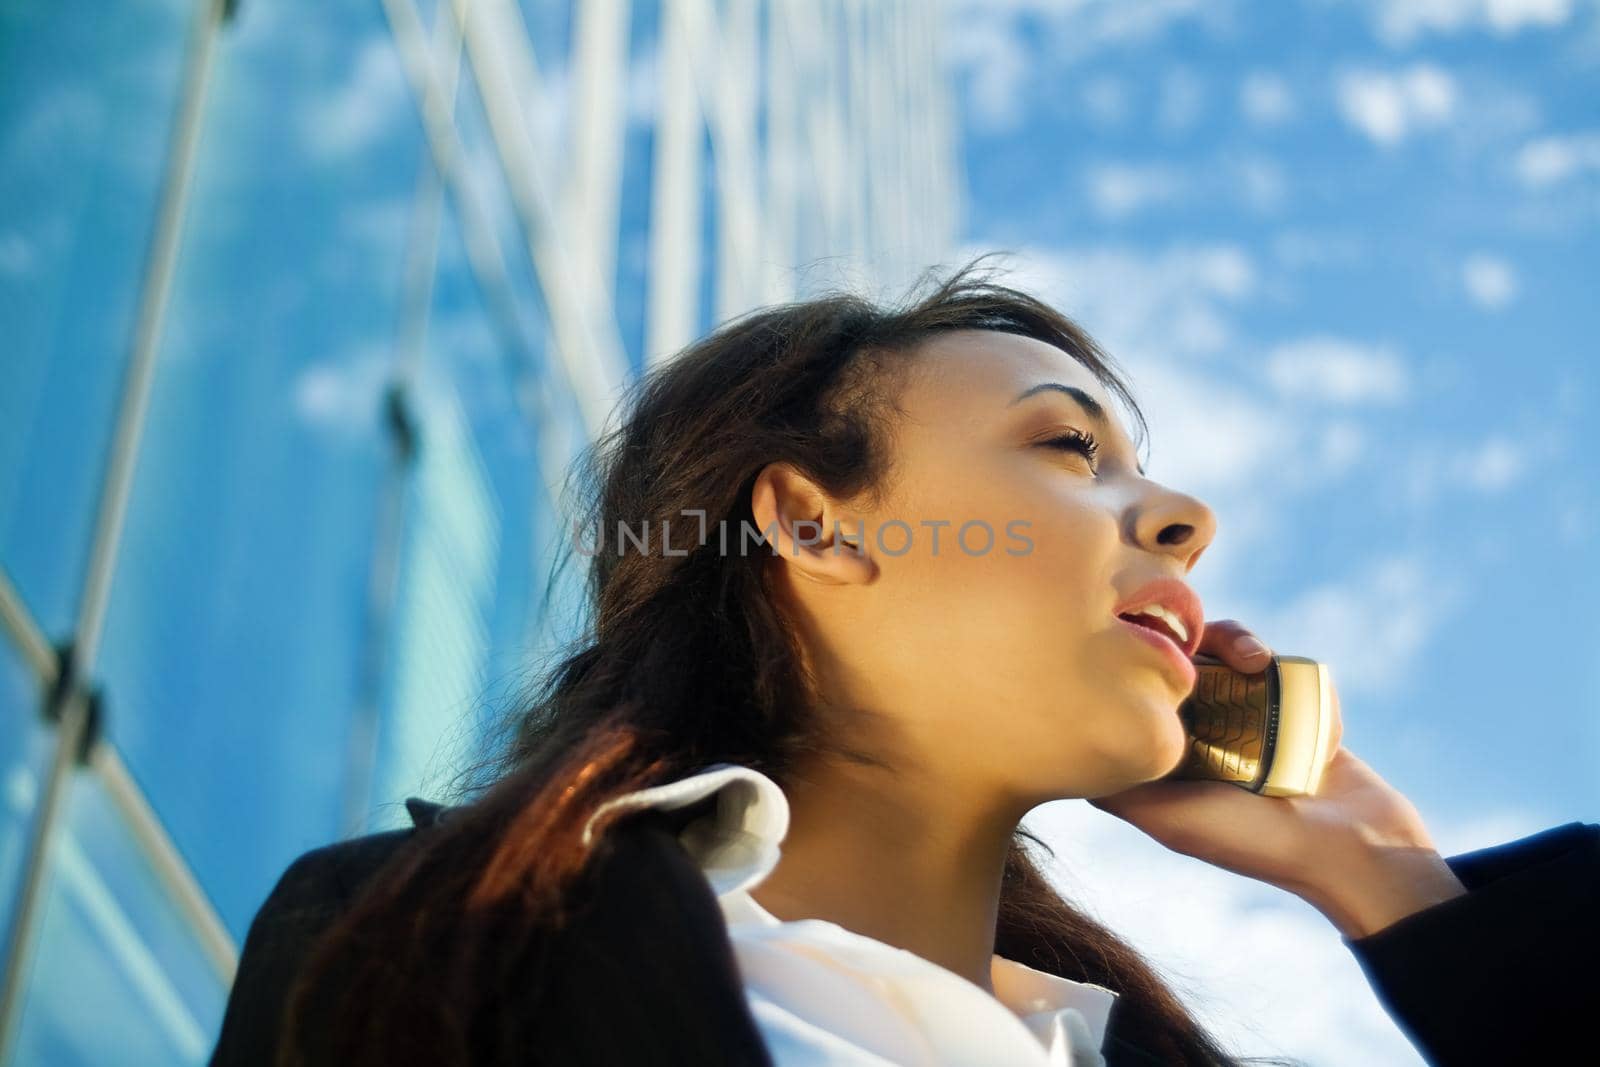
{"x":822,"y":994}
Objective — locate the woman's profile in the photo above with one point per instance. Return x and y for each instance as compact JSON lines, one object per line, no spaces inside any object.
{"x":865,"y":585}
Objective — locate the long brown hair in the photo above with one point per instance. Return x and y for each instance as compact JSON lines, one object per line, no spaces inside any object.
{"x":683,"y":661}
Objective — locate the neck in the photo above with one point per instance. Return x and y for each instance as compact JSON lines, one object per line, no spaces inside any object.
{"x":895,"y":856}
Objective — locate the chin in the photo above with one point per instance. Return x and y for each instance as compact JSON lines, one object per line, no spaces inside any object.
{"x":1167,"y":745}
{"x":1179,"y":753}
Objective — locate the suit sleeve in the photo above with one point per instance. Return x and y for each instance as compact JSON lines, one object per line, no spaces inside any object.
{"x":309,"y":896}
{"x":1507,"y":972}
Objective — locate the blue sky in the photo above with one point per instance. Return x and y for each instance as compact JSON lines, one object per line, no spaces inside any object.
{"x":1346,"y":253}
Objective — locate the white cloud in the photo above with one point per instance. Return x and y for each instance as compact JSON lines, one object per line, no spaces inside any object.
{"x":1266,"y":99}
{"x":1400,"y":22}
{"x":1240,"y":954}
{"x":1551,"y":160}
{"x":372,"y":101}
{"x":1483,"y":466}
{"x":342,"y":395}
{"x":994,"y":56}
{"x":1469,"y":833}
{"x":1495,"y":466}
{"x":1370,"y":627}
{"x":1248,"y":455}
{"x":1489,"y":280}
{"x":1167,"y":303}
{"x":1209,"y":436}
{"x":1089,"y":25}
{"x":1388,"y":107}
{"x":1331,"y":370}
{"x":1118,"y":190}
{"x":987,"y":42}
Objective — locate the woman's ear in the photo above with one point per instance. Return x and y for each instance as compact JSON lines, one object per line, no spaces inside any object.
{"x":809,"y":531}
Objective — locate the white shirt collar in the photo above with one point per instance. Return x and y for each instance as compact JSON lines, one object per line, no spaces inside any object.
{"x":737,"y":846}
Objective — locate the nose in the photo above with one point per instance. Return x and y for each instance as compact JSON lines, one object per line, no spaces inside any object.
{"x":1175,"y":524}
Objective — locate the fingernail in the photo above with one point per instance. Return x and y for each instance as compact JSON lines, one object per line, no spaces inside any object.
{"x":1248,"y":646}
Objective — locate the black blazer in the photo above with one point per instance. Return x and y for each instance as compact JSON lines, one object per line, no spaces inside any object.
{"x":1508,"y":973}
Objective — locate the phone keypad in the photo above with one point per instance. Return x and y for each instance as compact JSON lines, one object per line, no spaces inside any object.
{"x":1226,"y":717}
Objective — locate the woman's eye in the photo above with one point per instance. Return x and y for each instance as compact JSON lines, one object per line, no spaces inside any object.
{"x":1075,"y":441}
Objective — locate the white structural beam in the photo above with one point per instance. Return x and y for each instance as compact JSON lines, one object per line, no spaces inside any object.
{"x":75,"y":725}
{"x":676,"y":223}
{"x":593,"y":192}
{"x":780,"y":185}
{"x":588,"y":345}
{"x":725,"y":76}
{"x":26,"y":635}
{"x":484,"y":256}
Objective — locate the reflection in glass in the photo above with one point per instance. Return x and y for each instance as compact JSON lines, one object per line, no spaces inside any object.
{"x":86,"y":102}
{"x":478,"y":538}
{"x":233,"y":632}
{"x":26,"y":747}
{"x":118,"y":975}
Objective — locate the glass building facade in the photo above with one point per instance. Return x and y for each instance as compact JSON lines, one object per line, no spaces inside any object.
{"x":307,"y":307}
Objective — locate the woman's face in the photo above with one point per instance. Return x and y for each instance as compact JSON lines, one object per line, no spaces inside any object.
{"x":1000,"y":661}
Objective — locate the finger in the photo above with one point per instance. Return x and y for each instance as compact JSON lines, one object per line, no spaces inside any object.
{"x":1338,"y":720}
{"x":1236,"y":645}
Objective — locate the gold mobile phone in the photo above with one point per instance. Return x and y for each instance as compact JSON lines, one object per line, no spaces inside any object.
{"x":1267,"y":732}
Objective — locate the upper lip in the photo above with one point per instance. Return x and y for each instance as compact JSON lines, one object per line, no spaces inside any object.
{"x":1176,"y":597}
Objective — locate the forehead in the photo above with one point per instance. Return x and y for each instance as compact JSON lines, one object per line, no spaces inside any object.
{"x":964,"y":374}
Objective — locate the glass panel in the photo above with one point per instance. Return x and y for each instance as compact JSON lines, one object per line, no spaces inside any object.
{"x":118,"y":975}
{"x":86,"y":102}
{"x":479,"y":523}
{"x":550,"y":38}
{"x":638,"y":152}
{"x":710,"y":232}
{"x":762,"y":82}
{"x":550,"y":31}
{"x":486,"y":181}
{"x":234,"y":632}
{"x":26,"y":748}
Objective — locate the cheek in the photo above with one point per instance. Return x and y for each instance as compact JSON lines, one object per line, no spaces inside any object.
{"x":1067,"y":570}
{"x":1022,"y":598}
{"x":1004,"y":530}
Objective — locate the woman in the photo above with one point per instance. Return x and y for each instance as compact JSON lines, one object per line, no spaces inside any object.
{"x":883,"y":689}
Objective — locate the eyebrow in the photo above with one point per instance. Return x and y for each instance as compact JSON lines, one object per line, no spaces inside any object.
{"x":1087,"y":402}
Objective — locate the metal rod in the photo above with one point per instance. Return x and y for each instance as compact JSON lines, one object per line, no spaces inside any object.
{"x":29,"y":901}
{"x":26,"y":633}
{"x":170,"y":867}
{"x":74,"y":709}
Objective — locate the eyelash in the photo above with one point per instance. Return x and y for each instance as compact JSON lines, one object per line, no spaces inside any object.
{"x":1079,"y":441}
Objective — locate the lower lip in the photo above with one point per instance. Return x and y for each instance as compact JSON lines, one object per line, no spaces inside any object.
{"x":1181,"y":664}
